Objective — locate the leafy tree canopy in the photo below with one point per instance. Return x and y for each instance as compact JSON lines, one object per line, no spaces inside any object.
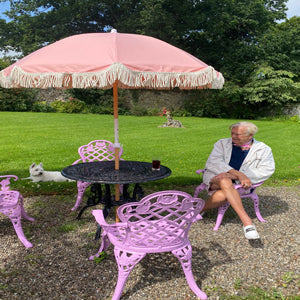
{"x":276,"y":87}
{"x":210,"y":29}
{"x":37,"y":23}
{"x":280,"y":46}
{"x":229,"y":31}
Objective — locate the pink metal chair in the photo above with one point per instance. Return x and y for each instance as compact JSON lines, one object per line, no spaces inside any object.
{"x":244,"y":193}
{"x":11,"y":205}
{"x":97,"y":150}
{"x":158,"y":223}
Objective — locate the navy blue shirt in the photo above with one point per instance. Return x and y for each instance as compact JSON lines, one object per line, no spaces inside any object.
{"x":237,"y":157}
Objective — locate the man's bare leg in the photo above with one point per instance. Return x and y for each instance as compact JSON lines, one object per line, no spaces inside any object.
{"x":225,"y":191}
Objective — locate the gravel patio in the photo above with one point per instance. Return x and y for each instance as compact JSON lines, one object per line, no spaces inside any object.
{"x":224,"y":262}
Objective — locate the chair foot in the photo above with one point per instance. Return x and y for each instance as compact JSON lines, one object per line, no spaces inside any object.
{"x":78,"y":202}
{"x":216,"y":228}
{"x":27,"y":244}
{"x":260,"y":218}
{"x":74,"y":208}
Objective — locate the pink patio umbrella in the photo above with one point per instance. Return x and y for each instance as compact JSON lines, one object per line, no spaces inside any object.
{"x":106,"y":60}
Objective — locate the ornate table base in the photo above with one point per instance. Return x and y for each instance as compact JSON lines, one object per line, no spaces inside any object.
{"x":97,"y":196}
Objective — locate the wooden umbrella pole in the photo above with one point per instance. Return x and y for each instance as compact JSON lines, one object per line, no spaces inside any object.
{"x":116,"y":145}
{"x":116,"y":124}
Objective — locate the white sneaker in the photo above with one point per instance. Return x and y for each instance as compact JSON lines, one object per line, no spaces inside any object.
{"x":250,"y":232}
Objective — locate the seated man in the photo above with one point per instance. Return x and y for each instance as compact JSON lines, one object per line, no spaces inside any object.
{"x":240,"y":159}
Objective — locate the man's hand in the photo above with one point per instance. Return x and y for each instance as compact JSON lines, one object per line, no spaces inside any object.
{"x":244,"y":180}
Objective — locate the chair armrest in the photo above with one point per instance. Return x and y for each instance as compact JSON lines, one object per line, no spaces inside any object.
{"x":10,"y":176}
{"x":99,"y":216}
{"x":238,"y":186}
{"x":4,"y":183}
{"x":198,"y":216}
{"x":200,"y":171}
{"x":77,"y":161}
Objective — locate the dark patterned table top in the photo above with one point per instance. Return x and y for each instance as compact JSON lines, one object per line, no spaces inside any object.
{"x":104,"y":172}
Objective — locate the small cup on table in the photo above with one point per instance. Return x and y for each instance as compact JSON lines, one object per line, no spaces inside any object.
{"x":155,"y":163}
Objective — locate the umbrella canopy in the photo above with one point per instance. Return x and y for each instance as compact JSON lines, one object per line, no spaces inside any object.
{"x":98,"y":60}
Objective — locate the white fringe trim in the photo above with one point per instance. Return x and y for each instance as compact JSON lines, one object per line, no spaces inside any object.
{"x":104,"y":79}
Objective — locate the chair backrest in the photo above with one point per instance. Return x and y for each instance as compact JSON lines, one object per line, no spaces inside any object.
{"x":160,"y":220}
{"x":98,"y":150}
{"x":6,"y":181}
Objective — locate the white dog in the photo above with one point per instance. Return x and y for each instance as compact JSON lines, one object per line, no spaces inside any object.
{"x":37,"y":174}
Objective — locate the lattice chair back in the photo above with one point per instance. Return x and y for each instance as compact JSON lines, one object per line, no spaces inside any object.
{"x":244,"y":193}
{"x":98,"y":150}
{"x":11,"y":205}
{"x":160,"y":222}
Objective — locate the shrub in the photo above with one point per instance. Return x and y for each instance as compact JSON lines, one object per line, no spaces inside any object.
{"x":16,"y":99}
{"x":72,"y":105}
{"x":97,"y":109}
{"x":42,"y":106}
{"x":139,"y":110}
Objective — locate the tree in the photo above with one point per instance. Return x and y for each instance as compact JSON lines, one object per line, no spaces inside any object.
{"x":168,"y":20}
{"x":275,"y":87}
{"x":37,"y":23}
{"x":280,"y":46}
{"x":229,"y":31}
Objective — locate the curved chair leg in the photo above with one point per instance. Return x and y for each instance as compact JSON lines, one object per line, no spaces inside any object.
{"x":184,"y":255}
{"x":104,"y":245}
{"x":221,"y":211}
{"x":81,"y":187}
{"x":126,"y":262}
{"x":19,"y":231}
{"x":256,"y":208}
{"x":23,"y":212}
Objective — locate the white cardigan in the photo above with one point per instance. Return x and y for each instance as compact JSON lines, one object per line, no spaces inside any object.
{"x":258,"y":165}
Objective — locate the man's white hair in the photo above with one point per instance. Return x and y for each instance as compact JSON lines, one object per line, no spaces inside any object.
{"x":251,"y":128}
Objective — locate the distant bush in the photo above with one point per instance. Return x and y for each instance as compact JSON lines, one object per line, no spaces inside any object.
{"x":42,"y":106}
{"x":72,"y":105}
{"x":98,"y":109}
{"x":17,"y":99}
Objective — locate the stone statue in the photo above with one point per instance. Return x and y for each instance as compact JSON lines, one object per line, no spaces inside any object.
{"x":171,"y":122}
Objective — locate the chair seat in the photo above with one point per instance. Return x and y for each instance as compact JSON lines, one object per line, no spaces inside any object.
{"x":9,"y":199}
{"x":147,"y":237}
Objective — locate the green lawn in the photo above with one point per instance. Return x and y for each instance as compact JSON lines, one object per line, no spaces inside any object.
{"x":54,"y":138}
